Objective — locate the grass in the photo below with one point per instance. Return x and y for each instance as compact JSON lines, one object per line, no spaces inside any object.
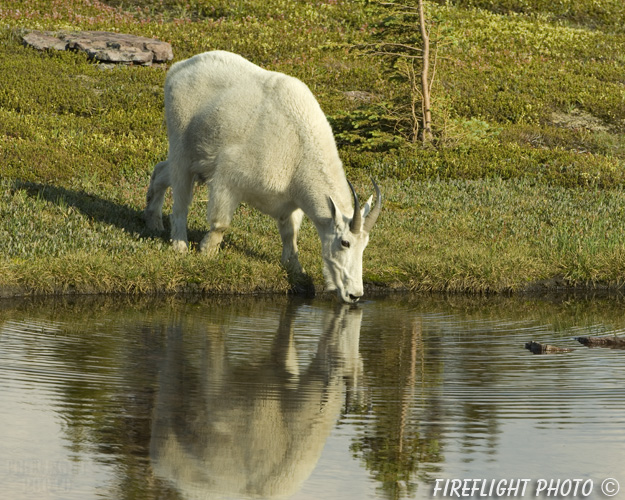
{"x":523,"y":187}
{"x":454,"y":236}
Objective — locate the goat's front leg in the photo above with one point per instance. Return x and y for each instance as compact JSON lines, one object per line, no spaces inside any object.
{"x":221,"y":206}
{"x":289,"y":229}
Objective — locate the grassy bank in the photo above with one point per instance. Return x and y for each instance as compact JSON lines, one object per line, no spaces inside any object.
{"x":523,"y":186}
{"x":461,"y":235}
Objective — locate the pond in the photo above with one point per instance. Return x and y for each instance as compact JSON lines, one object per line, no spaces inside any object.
{"x":399,"y":397}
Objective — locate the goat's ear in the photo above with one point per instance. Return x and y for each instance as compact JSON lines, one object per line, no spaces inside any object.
{"x":367,"y":208}
{"x":337,"y":216}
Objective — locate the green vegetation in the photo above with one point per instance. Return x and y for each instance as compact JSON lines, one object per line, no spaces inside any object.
{"x":523,"y":184}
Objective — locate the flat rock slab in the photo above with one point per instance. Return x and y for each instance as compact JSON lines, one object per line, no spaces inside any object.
{"x":104,"y":46}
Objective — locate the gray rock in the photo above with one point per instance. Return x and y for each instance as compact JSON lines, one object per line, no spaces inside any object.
{"x":44,"y":40}
{"x":359,"y":95}
{"x":104,"y":46}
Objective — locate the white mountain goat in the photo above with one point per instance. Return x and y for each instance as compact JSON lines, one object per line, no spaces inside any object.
{"x":259,"y":137}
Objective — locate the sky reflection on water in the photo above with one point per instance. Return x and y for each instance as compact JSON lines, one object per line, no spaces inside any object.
{"x":278,"y":398}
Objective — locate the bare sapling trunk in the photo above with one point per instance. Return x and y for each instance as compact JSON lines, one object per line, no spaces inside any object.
{"x":426,"y":129}
{"x":398,"y":44}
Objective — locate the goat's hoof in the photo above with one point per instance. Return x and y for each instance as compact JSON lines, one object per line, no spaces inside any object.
{"x":210,"y":244}
{"x":180,"y":246}
{"x":209,"y":251}
{"x":156,"y":227}
{"x":293,"y":268}
{"x":301,"y":284}
{"x":305,"y":289}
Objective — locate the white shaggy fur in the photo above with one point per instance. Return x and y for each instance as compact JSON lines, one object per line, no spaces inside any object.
{"x":259,"y":137}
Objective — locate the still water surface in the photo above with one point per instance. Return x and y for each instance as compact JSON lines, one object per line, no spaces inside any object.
{"x":278,"y":398}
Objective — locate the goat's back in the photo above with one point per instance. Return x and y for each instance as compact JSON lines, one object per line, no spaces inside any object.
{"x":226,"y":84}
{"x":267,"y":127}
{"x":193,"y":83}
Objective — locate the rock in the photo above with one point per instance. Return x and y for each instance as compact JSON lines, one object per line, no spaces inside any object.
{"x":537,"y":348}
{"x":359,"y":95}
{"x":578,"y":119}
{"x":44,"y":40}
{"x":612,"y":342}
{"x":104,"y":46}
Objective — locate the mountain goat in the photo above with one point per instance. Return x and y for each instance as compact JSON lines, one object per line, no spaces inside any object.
{"x":259,"y":137}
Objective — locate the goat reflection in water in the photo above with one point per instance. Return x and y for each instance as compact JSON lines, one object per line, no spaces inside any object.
{"x":256,"y":428}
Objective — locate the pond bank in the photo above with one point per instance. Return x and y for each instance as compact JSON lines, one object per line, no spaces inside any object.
{"x":466,"y":236}
{"x":552,"y":287}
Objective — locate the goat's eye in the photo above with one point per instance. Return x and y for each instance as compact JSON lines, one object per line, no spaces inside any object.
{"x":345,"y":243}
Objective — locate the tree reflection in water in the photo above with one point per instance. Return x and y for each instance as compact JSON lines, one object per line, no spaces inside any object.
{"x":403,"y":373}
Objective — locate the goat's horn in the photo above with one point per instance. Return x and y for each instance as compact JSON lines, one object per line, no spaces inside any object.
{"x":356,"y":223}
{"x":373,"y":215}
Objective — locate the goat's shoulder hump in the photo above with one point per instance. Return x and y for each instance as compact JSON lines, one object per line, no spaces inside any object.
{"x":213,"y":62}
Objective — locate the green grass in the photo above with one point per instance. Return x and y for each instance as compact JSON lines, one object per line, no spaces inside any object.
{"x":485,"y":235}
{"x":522,"y":188}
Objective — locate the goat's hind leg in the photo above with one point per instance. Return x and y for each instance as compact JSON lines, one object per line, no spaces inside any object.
{"x":182,"y":191}
{"x":159,"y":182}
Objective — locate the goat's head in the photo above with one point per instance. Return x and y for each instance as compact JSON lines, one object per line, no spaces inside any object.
{"x":344,"y":245}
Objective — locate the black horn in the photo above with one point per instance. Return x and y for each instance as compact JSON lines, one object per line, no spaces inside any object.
{"x":355,"y":225}
{"x":373,"y":215}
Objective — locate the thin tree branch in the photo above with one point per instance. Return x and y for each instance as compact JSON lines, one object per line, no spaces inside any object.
{"x":393,"y":4}
{"x":435,"y":60}
{"x":396,"y":54}
{"x":380,"y":45}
